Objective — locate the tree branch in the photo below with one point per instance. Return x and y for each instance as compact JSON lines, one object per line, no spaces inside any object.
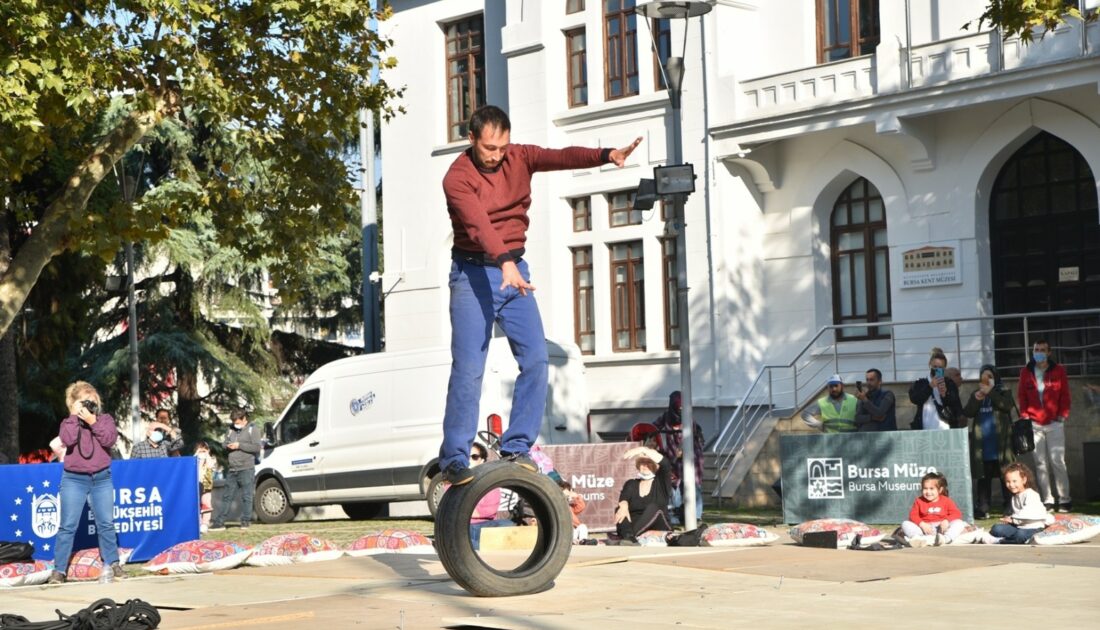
{"x":48,"y":236}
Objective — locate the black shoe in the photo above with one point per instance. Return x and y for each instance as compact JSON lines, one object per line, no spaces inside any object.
{"x":56,"y":577}
{"x":117,"y":572}
{"x":981,"y":516}
{"x":1049,"y":507}
{"x":523,"y":459}
{"x":457,"y":474}
{"x":1065,"y":508}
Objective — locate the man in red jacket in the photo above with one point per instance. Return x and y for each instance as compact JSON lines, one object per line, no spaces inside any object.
{"x":488,"y":190}
{"x":1043,"y":396}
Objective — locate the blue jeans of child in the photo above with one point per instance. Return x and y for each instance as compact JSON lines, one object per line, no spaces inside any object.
{"x":244,"y":482}
{"x":476,"y":303}
{"x":76,"y":490}
{"x":1012,"y":535}
{"x":475,"y":529}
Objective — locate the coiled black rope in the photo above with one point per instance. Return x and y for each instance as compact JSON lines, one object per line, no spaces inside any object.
{"x":104,"y":614}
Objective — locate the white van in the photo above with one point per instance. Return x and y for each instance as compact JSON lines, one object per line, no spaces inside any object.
{"x":364,"y":431}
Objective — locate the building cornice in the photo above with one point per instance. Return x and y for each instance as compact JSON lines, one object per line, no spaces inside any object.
{"x":885,"y":110}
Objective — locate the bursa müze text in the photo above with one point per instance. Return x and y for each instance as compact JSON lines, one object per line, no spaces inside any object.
{"x":883,"y":477}
{"x":591,"y":482}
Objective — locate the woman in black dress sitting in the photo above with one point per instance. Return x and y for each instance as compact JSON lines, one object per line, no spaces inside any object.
{"x":643,"y":502}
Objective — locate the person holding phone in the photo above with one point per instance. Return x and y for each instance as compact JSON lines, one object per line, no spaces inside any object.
{"x":936,"y":398}
{"x":875,"y":411}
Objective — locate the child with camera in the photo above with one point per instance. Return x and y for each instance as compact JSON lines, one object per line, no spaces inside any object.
{"x":88,"y":437}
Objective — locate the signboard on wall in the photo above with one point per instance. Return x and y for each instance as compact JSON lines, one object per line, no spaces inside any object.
{"x":931,"y":265}
{"x":870,"y":477}
{"x":597,"y":472}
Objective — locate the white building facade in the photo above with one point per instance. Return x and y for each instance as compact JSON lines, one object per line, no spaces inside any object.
{"x":854,"y":167}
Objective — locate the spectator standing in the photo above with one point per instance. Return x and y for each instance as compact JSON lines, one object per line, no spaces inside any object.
{"x":160,"y":441}
{"x":243,"y":443}
{"x":207,"y":465}
{"x":989,"y":406}
{"x":1044,"y":398}
{"x":876,"y":408}
{"x":670,"y":443}
{"x":936,"y":397}
{"x":164,"y":417}
{"x":835,"y":412}
{"x":87,"y":435}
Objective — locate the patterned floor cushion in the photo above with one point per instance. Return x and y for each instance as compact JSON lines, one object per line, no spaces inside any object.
{"x":736,"y":535}
{"x":1068,"y":529}
{"x":845,"y":528}
{"x":391,"y":541}
{"x":290,"y":548}
{"x":971,"y":535}
{"x":199,"y":556}
{"x":25,"y":573}
{"x":653,"y":538}
{"x":86,"y":564}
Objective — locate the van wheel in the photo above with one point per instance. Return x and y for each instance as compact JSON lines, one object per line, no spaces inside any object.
{"x":273,"y":503}
{"x":436,"y":488}
{"x":366,"y":511}
{"x":553,"y":541}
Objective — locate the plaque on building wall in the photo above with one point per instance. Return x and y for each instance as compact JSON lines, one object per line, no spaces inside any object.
{"x":1069,"y":274}
{"x":931,"y":265}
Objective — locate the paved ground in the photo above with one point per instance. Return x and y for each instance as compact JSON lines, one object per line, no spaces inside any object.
{"x":779,"y":586}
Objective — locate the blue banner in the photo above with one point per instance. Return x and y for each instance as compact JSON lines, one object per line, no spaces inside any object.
{"x":156,"y":506}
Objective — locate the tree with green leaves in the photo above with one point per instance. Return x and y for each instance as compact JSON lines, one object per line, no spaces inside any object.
{"x":1022,"y":17}
{"x":283,"y":78}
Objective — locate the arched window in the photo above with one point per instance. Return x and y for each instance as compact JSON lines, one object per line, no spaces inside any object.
{"x":860,"y":261}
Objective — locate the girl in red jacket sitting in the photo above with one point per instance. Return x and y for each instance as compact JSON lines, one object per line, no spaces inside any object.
{"x":934,"y":515}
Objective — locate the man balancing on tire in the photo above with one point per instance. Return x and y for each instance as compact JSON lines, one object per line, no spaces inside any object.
{"x":488,"y":190}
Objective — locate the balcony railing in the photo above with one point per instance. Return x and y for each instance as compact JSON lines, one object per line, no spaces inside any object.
{"x":966,"y":57}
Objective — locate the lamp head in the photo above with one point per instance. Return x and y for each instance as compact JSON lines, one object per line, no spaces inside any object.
{"x":673,"y":9}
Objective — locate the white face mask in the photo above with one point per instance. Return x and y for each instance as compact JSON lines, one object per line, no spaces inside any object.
{"x":646,"y":475}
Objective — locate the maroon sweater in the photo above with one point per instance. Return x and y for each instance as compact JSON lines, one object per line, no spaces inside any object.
{"x":488,"y":208}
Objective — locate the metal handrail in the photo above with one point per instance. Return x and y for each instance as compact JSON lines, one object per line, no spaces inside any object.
{"x":750,"y":410}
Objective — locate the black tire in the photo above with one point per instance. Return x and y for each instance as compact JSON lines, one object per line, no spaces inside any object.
{"x":552,"y":546}
{"x":436,"y":488}
{"x":366,"y":511}
{"x":272,"y":504}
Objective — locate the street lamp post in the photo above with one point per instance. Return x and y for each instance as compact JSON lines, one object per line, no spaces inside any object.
{"x":677,"y":184}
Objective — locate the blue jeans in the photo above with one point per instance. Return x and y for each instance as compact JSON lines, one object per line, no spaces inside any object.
{"x":242,"y":481}
{"x":76,"y":490}
{"x":1012,"y":535}
{"x":475,"y":529}
{"x":476,"y":303}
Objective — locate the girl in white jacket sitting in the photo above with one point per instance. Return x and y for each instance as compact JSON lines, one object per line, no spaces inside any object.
{"x":1029,"y":516}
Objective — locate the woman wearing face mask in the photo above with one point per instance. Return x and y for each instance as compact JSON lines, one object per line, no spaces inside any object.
{"x":936,"y":398}
{"x":643,"y":502}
